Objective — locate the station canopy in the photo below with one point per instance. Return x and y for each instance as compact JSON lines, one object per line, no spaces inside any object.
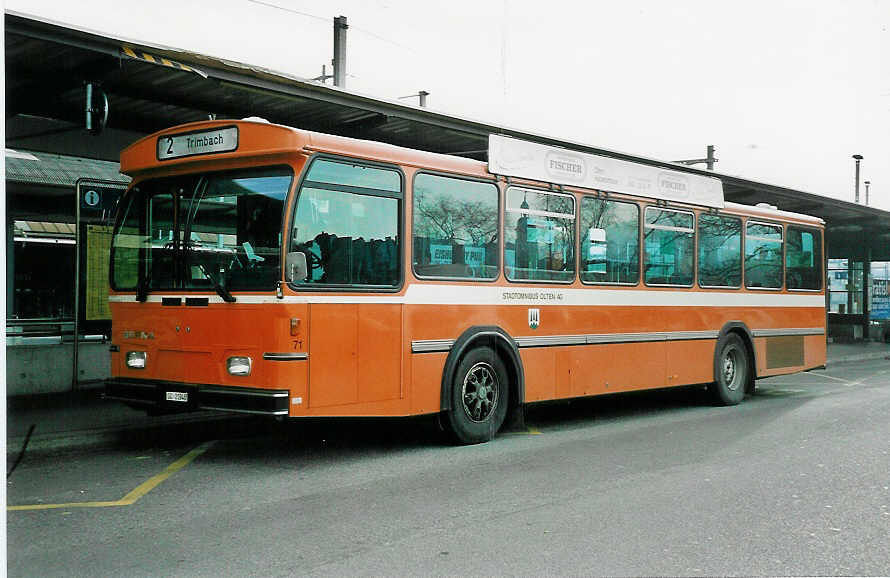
{"x":150,"y":88}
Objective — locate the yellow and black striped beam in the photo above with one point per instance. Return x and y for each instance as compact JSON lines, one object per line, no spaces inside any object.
{"x":146,"y":57}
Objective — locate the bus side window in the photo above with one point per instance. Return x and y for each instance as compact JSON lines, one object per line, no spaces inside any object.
{"x":719,"y":251}
{"x":803,"y":259}
{"x":455,"y":227}
{"x":763,"y":255}
{"x":539,"y":235}
{"x":610,"y":244}
{"x":669,"y":241}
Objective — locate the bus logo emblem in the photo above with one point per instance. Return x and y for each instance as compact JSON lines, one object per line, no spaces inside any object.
{"x":534,"y":318}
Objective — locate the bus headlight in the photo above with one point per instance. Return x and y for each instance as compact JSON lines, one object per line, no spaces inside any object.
{"x":136,"y":359}
{"x":239,"y":365}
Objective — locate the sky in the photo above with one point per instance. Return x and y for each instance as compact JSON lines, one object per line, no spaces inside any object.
{"x":787,"y":90}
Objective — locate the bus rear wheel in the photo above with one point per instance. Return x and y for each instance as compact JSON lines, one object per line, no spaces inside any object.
{"x":732,"y":370}
{"x":478,"y":397}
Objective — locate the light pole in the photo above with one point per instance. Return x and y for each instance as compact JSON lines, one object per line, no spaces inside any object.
{"x":422,"y":94}
{"x":340,"y":27}
{"x":866,"y":191}
{"x":858,"y":158}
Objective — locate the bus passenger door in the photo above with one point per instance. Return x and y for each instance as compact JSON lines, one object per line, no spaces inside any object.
{"x":354,"y":353}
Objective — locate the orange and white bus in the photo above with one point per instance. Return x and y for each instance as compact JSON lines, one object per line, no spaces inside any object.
{"x":259,"y":268}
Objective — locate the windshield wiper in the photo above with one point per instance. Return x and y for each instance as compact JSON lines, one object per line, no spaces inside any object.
{"x":224,"y":293}
{"x":219,"y":285}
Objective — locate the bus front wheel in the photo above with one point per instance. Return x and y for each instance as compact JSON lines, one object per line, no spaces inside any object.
{"x":478,"y":397}
{"x":732,"y":370}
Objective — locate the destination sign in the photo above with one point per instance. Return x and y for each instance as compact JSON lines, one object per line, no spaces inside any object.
{"x":220,"y":140}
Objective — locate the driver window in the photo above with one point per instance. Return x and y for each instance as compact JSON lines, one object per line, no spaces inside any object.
{"x":347,"y":224}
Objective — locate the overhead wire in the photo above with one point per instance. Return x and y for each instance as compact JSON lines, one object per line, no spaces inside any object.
{"x":326,"y":19}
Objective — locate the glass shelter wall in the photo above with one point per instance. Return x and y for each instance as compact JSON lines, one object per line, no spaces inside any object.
{"x":845,"y":282}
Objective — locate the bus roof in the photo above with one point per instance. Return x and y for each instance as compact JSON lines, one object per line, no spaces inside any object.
{"x":771,"y":212}
{"x":220,"y":140}
{"x":205,"y":142}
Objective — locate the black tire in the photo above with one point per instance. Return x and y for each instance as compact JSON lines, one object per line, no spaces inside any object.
{"x":476,"y":418}
{"x":732,"y":370}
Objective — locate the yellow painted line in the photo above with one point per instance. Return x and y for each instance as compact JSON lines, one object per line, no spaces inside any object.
{"x":129,"y":52}
{"x":154,"y":481}
{"x":133,"y":496}
{"x":529,"y":432}
{"x":148,"y":57}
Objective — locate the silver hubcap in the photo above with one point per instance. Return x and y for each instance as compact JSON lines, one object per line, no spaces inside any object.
{"x":480,"y":392}
{"x":731,"y":369}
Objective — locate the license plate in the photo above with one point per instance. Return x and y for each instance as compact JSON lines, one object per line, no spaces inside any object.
{"x":178,"y":396}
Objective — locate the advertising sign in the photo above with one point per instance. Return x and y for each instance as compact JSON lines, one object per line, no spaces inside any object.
{"x":97,"y":262}
{"x":441,"y":254}
{"x":880,"y":299}
{"x":474,"y":256}
{"x":519,"y":158}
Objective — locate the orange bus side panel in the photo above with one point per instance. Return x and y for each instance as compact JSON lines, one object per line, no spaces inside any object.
{"x":584,"y":370}
{"x":814,"y":354}
{"x":690,"y":361}
{"x":295,"y":377}
{"x":815,"y":350}
{"x":540,"y":368}
{"x":566,"y":362}
{"x":333,"y":348}
{"x":629,"y":366}
{"x":380,"y":358}
{"x":355,"y":353}
{"x":563,"y":372}
{"x":426,"y":382}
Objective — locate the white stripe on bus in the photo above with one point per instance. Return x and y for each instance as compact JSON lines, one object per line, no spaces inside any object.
{"x":443,"y":294}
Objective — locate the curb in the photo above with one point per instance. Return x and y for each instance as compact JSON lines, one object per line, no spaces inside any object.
{"x":859,"y":357}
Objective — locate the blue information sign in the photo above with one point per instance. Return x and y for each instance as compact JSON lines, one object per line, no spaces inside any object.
{"x":98,"y":198}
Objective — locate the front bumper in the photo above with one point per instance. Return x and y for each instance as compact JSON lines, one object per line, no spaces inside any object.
{"x":154,"y":395}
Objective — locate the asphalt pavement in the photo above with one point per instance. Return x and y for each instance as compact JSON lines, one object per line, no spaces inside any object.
{"x":84,"y":419}
{"x":794,"y":481}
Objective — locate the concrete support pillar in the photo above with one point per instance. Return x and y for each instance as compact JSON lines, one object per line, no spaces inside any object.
{"x":866,"y":287}
{"x":10,"y":267}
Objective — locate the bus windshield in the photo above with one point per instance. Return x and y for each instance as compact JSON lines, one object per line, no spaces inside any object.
{"x":214,"y":231}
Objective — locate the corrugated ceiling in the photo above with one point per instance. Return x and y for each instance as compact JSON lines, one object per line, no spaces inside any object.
{"x":39,"y":168}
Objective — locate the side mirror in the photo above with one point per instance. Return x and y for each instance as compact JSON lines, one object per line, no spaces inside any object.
{"x":96,"y":109}
{"x":295,"y":268}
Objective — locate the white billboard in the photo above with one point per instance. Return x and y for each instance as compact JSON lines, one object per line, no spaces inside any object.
{"x":518,"y":158}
